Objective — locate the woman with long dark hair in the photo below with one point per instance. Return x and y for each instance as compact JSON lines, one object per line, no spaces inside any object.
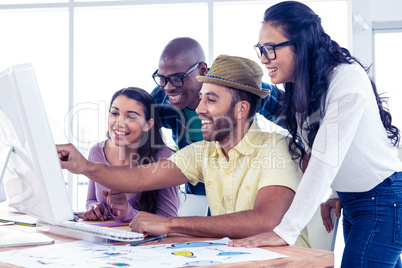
{"x":337,"y":120}
{"x":134,"y":138}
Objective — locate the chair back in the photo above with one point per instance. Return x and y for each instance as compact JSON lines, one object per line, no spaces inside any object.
{"x":192,"y":205}
{"x":319,"y":238}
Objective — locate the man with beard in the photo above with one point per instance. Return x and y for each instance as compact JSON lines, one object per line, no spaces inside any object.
{"x":181,"y":61}
{"x":249,"y":176}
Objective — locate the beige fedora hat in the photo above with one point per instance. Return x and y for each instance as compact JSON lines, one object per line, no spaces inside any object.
{"x":236,"y":72}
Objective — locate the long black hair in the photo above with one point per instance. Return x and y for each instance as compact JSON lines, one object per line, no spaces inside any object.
{"x":316,"y":56}
{"x":151,"y":141}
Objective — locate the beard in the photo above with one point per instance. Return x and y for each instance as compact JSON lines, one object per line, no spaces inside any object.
{"x":224,"y":128}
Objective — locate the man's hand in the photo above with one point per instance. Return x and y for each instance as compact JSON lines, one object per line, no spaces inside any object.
{"x":96,"y":212}
{"x":264,"y":239}
{"x":326,"y":208}
{"x":116,"y":201}
{"x":150,"y":224}
{"x":71,"y":159}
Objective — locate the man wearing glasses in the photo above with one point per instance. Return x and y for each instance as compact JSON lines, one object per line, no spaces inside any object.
{"x":181,"y":61}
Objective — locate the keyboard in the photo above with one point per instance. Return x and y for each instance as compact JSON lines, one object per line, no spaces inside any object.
{"x":88,"y":232}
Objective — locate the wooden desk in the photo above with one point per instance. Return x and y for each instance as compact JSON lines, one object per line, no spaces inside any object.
{"x":297,"y":256}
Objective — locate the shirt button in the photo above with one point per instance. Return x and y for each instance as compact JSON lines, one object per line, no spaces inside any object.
{"x":248,"y":187}
{"x":209,"y":182}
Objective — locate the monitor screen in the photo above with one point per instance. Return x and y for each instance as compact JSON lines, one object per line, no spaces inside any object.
{"x":29,"y":165}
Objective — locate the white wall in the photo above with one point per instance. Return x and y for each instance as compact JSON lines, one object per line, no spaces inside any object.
{"x":359,"y":30}
{"x":386,"y":10}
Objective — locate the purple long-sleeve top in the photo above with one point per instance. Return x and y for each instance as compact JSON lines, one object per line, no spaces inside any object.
{"x":168,"y":200}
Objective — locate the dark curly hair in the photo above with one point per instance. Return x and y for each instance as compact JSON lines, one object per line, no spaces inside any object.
{"x":316,"y":55}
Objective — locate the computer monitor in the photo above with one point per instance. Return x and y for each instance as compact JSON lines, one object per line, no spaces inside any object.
{"x":29,"y":165}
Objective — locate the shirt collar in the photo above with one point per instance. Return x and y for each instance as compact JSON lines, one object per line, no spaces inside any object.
{"x":246,"y":145}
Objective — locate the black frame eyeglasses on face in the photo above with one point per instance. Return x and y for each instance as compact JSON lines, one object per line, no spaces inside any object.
{"x":269,"y":50}
{"x":175,"y":79}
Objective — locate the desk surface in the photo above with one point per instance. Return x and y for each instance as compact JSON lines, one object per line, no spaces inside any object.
{"x":297,"y":256}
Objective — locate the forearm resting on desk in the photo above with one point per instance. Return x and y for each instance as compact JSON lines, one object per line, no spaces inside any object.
{"x":235,"y":225}
{"x":267,"y":213}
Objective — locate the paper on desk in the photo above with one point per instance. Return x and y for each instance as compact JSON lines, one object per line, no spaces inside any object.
{"x":19,"y":219}
{"x":86,"y":254}
{"x":15,"y":238}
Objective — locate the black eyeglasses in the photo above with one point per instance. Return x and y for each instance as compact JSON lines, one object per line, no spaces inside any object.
{"x":175,"y":79}
{"x":269,"y":50}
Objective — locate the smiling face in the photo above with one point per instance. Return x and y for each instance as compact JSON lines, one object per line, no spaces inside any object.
{"x":127,"y":121}
{"x":281,"y":69}
{"x":216,"y":113}
{"x":185,"y":96}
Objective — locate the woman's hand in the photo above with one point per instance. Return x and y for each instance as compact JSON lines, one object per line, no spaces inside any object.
{"x":264,"y":239}
{"x":98,"y":212}
{"x":117,"y":202}
{"x":334,"y":203}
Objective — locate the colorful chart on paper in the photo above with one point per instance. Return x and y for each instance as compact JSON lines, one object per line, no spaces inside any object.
{"x":86,"y":254}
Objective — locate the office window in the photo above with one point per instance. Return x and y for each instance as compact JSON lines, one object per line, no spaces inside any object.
{"x":40,"y":36}
{"x":114,"y":49}
{"x":386,"y":57}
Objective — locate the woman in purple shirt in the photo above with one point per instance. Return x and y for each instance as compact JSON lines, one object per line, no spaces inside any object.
{"x":134,"y":138}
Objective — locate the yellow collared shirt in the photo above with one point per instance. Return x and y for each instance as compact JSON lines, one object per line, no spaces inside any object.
{"x":260,"y":159}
